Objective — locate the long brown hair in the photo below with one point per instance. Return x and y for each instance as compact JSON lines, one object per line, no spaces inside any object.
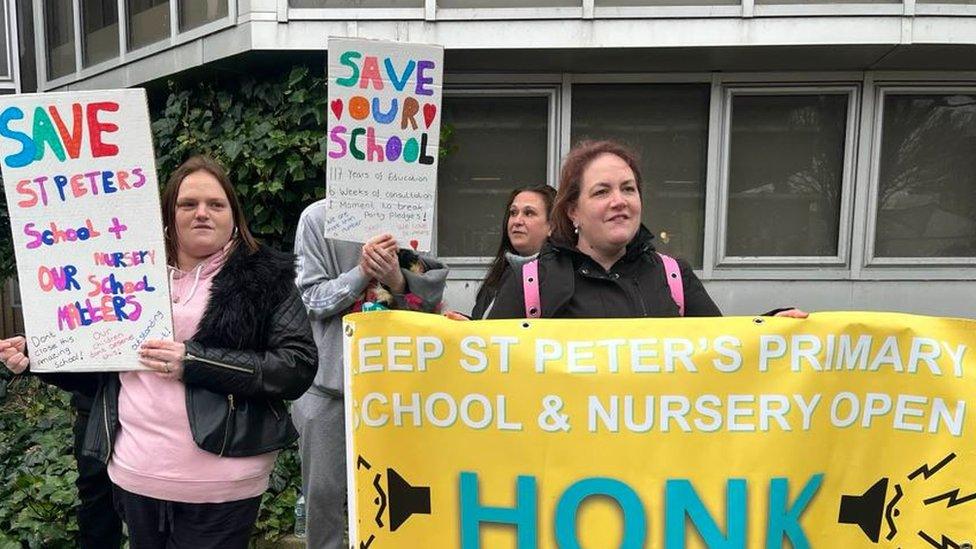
{"x":494,"y":276}
{"x":172,"y":191}
{"x":571,"y":181}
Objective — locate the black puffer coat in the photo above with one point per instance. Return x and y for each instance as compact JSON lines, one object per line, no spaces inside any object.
{"x":252,"y":351}
{"x":573,"y":285}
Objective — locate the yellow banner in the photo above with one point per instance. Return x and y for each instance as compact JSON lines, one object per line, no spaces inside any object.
{"x":841,"y":430}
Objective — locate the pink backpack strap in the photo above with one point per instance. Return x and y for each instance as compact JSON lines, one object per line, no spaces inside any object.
{"x":530,"y":287}
{"x":673,"y":274}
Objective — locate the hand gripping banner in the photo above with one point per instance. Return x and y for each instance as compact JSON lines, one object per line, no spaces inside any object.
{"x":843,"y":430}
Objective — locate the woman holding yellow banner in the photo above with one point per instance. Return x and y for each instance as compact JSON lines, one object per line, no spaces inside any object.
{"x":600,"y":262}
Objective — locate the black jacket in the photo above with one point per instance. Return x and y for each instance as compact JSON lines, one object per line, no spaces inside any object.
{"x":252,"y":351}
{"x":572,"y":285}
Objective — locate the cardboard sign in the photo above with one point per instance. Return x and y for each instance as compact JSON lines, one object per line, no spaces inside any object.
{"x":384,"y":133}
{"x":842,"y":430}
{"x":80,"y":180}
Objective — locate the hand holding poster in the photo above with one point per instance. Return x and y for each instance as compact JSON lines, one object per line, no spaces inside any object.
{"x":384,"y":133}
{"x":842,"y":430}
{"x":80,"y":181}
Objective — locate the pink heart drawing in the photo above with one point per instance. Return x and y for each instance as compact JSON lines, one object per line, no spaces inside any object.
{"x":430,"y":111}
{"x":336,"y":105}
{"x":414,"y":244}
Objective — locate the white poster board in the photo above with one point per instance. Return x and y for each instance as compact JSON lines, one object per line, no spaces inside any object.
{"x":384,"y":134}
{"x":80,"y":180}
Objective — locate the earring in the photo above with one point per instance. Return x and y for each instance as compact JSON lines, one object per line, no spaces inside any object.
{"x":234,"y":234}
{"x":576,"y":228}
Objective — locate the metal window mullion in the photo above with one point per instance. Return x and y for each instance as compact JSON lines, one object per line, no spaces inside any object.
{"x":847,"y":188}
{"x":13,"y":41}
{"x":430,"y":10}
{"x":174,"y":20}
{"x":554,"y":136}
{"x":76,"y":7}
{"x":862,"y":178}
{"x":589,"y":9}
{"x":713,"y":230}
{"x":748,"y":8}
{"x":40,"y":49}
{"x":123,"y":18}
{"x":565,"y":124}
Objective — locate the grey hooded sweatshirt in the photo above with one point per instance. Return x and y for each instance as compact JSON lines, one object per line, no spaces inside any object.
{"x":331,"y":281}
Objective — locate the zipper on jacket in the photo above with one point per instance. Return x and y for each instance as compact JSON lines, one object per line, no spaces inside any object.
{"x":640,"y":298}
{"x":230,"y":415}
{"x":108,"y":432}
{"x":220,"y":364}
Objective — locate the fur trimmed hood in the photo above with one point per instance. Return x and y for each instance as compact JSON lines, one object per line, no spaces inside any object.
{"x":244,"y":294}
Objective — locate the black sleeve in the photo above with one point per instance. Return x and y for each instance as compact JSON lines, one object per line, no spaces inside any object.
{"x":85,"y":383}
{"x":510,"y":299}
{"x":697,"y":300}
{"x":481,"y":302}
{"x":285,"y":370}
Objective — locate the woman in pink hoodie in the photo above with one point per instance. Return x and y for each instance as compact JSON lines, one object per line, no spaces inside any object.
{"x":190,"y":444}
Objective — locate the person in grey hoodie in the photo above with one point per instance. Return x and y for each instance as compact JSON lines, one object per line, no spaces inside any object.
{"x":332,"y":276}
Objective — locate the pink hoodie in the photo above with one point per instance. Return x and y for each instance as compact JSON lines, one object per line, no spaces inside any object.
{"x":154,"y":452}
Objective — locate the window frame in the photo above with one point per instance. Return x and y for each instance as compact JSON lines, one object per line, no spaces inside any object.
{"x":126,"y":56}
{"x":474,"y":267}
{"x":819,"y":267}
{"x":11,"y":80}
{"x":918,"y":264}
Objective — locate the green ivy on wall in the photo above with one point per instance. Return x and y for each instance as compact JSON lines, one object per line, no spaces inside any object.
{"x":269,"y":134}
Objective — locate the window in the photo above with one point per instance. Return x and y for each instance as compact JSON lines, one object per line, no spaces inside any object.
{"x":100,"y":19}
{"x":667,"y":125}
{"x":4,"y":42}
{"x":194,"y":13}
{"x":926,"y":188}
{"x":356,"y":3}
{"x":494,"y":144}
{"x":787,"y":165}
{"x":59,"y":31}
{"x":149,"y":22}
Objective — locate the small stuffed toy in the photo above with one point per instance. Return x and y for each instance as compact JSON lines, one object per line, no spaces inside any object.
{"x":377,"y":297}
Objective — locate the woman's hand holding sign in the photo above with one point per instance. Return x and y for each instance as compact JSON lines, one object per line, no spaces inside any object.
{"x":163,"y":356}
{"x":13,"y":353}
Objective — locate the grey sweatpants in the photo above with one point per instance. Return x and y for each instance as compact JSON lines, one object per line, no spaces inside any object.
{"x":322,"y":443}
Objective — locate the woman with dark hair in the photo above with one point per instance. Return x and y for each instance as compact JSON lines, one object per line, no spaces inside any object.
{"x":190,"y":444}
{"x":525,"y":228}
{"x":600,"y":261}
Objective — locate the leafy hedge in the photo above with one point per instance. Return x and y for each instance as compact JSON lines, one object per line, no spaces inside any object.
{"x":269,"y":134}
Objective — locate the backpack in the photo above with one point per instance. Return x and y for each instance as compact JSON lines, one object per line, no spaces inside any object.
{"x":533,"y":304}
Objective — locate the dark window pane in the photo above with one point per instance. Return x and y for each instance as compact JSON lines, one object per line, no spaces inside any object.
{"x":194,"y":13}
{"x":495,"y":144}
{"x":100,"y":19}
{"x":668,"y":127}
{"x":927,"y":177}
{"x":148,"y":22}
{"x":785,"y":175}
{"x":4,"y":68}
{"x":59,"y":31}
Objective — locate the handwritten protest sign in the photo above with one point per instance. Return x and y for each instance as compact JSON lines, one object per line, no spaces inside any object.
{"x":80,"y":182}
{"x":384,"y":133}
{"x":842,"y":430}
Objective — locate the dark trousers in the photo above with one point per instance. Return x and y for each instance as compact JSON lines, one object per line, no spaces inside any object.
{"x":159,"y":524}
{"x":99,"y":526}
